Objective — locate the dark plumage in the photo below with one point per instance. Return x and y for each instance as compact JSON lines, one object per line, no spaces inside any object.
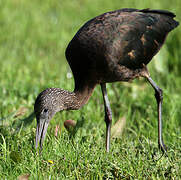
{"x":115,"y":46}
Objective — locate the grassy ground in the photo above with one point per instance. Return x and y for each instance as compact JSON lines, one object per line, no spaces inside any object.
{"x":33,"y":38}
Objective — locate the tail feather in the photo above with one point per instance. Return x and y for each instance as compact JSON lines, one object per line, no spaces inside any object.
{"x":169,"y":17}
{"x":165,"y":12}
{"x":173,"y":23}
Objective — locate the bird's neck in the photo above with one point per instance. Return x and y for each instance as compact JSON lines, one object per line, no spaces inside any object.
{"x":79,"y":97}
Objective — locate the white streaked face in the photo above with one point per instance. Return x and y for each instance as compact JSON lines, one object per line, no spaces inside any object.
{"x":46,"y":105}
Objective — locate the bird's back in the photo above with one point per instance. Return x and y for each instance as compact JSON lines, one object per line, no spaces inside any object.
{"x":126,"y":37}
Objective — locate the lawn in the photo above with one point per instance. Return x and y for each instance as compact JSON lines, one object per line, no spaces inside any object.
{"x":33,"y":38}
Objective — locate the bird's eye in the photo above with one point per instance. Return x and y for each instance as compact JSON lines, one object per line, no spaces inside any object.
{"x":45,"y":110}
{"x":44,"y":113}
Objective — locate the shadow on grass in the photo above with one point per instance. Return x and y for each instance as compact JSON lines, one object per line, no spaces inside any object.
{"x":13,"y":125}
{"x":73,"y":131}
{"x":23,"y":122}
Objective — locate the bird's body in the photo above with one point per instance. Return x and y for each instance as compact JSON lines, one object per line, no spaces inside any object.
{"x":115,"y":46}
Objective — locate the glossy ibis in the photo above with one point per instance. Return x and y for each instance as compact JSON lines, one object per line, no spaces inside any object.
{"x":114,"y":46}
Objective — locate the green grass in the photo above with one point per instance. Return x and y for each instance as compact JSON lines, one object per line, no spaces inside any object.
{"x":33,"y":38}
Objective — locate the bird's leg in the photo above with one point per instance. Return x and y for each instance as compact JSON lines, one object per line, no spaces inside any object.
{"x":108,"y":116}
{"x":159,"y":98}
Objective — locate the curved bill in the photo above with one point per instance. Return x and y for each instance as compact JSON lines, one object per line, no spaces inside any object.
{"x":42,"y":126}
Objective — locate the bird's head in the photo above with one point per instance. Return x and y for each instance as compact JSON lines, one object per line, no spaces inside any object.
{"x":46,"y":105}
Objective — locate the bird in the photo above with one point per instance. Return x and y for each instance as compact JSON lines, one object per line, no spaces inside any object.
{"x":112,"y":47}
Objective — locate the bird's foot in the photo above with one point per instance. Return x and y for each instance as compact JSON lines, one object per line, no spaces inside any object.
{"x":163,"y":148}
